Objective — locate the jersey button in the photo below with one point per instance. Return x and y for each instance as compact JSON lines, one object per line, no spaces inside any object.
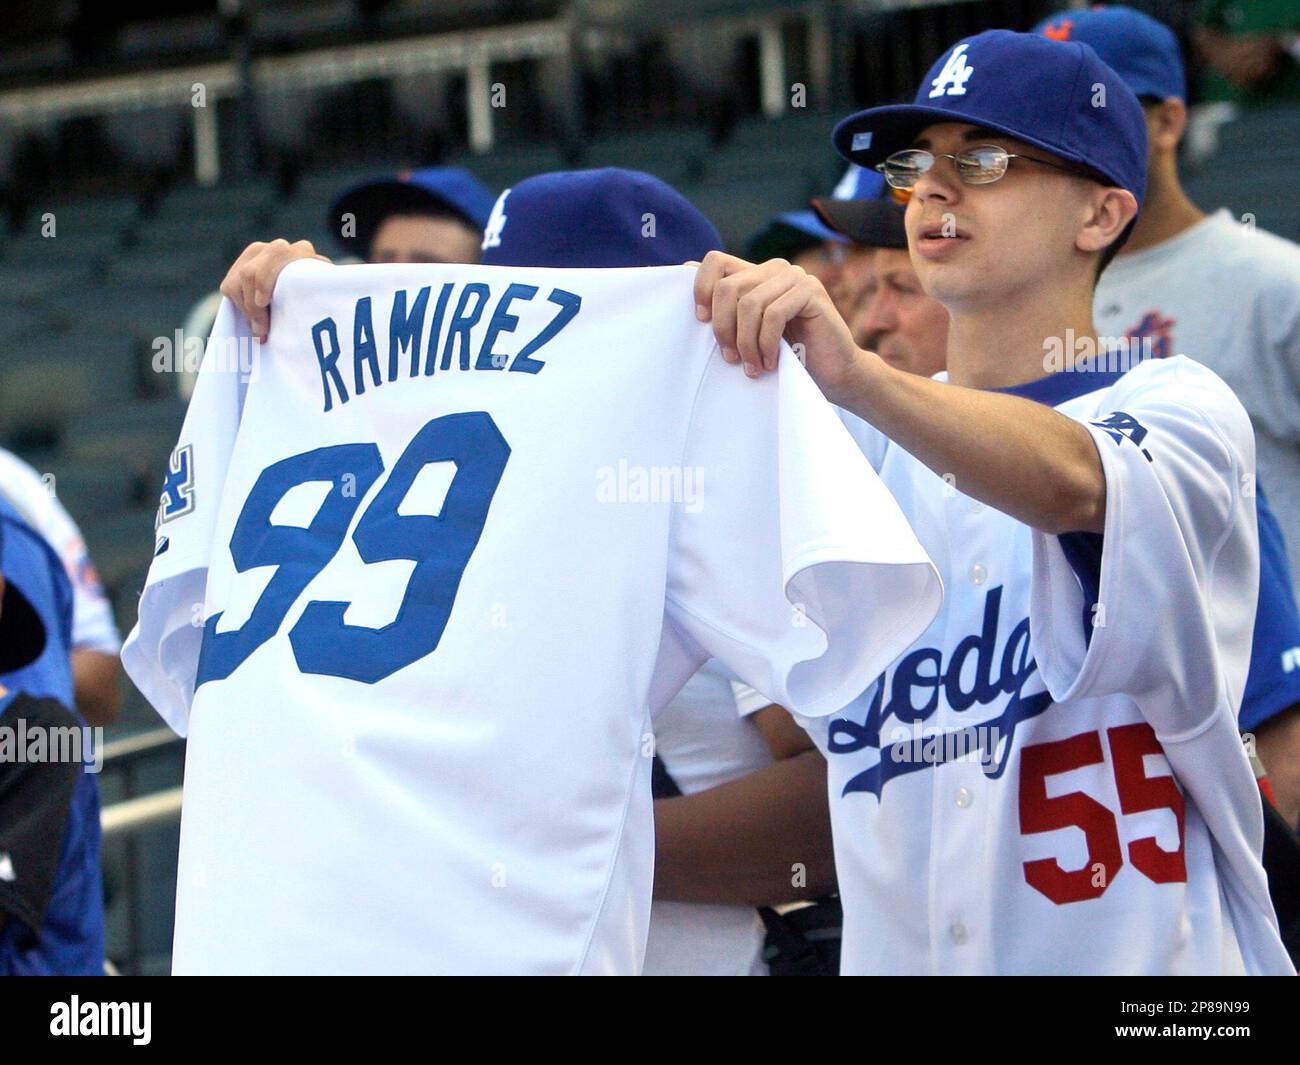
{"x":978,"y":574}
{"x":958,"y":932}
{"x":964,"y":797}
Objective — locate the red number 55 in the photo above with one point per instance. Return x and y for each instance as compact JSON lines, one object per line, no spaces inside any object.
{"x":1137,"y":793}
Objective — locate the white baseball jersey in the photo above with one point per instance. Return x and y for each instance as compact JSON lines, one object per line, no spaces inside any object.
{"x":93,"y":626}
{"x":1050,"y":779}
{"x":420,"y":584}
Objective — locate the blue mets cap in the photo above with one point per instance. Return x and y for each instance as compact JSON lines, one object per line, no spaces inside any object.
{"x":1056,"y":95}
{"x":595,"y":218}
{"x":435,"y":189}
{"x":1139,"y":49}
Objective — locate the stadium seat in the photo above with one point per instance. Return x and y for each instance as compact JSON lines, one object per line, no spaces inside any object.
{"x":45,"y":381}
{"x":101,"y":214}
{"x":68,"y":245}
{"x":176,"y":267}
{"x":740,"y":208}
{"x":140,"y":435}
{"x":229,"y":199}
{"x":95,"y":489}
{"x":28,"y":282}
{"x":121,"y":545}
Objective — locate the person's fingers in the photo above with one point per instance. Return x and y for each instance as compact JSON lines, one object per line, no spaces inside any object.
{"x":247,"y":279}
{"x":727,"y":293}
{"x":751,"y":312}
{"x":232,"y":283}
{"x":267,"y":270}
{"x":790,"y":304}
{"x":713,"y":267}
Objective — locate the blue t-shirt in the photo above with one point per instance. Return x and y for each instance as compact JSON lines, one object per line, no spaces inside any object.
{"x":1273,"y":684}
{"x":71,"y":939}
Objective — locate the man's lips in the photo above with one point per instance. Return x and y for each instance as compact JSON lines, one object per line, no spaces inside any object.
{"x":935,"y":239}
{"x":941,"y":230}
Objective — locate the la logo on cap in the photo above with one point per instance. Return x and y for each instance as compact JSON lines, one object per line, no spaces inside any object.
{"x":954,"y":75}
{"x":496,"y":223}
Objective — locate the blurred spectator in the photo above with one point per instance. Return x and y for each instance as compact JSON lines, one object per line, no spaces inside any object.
{"x":432,"y":215}
{"x":96,"y":668}
{"x":1167,"y":283}
{"x":894,"y":316}
{"x":1167,"y":287}
{"x":51,"y":898}
{"x":802,"y":238}
{"x":1252,"y":48}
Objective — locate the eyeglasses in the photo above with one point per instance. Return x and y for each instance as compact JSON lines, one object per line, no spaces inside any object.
{"x":981,"y":165}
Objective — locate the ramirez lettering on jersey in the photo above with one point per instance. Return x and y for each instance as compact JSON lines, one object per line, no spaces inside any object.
{"x":428,"y":333}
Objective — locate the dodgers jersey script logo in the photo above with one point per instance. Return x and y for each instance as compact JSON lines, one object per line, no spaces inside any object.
{"x":415,"y":640}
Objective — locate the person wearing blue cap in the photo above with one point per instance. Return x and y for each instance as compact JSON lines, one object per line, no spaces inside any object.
{"x":892,"y":314}
{"x":51,"y":897}
{"x":1050,"y":779}
{"x":1171,"y":284}
{"x":815,"y":245}
{"x":1169,"y":288}
{"x":431,"y":215}
{"x":723,"y":763}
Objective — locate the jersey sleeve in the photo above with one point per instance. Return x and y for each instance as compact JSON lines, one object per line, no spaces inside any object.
{"x":795,"y":567}
{"x":1160,"y":607}
{"x":161,"y":653}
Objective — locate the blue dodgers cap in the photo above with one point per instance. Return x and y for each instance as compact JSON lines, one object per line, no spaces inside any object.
{"x":1139,"y":49}
{"x":431,"y":188}
{"x":595,"y":219}
{"x":1056,"y":95}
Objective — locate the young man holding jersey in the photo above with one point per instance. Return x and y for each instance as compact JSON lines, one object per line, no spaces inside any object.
{"x":1078,"y":802}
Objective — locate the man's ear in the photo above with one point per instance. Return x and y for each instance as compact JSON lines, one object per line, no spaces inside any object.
{"x":1112,"y":210}
{"x":1166,"y":124}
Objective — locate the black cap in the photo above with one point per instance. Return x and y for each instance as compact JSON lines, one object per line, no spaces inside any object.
{"x":22,"y":633}
{"x":873,"y":223}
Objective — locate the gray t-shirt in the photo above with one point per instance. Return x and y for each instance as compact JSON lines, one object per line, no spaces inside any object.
{"x":1228,"y":296}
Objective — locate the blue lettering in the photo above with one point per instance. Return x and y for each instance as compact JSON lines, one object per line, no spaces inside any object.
{"x":364,"y":351}
{"x":435,"y":327}
{"x":328,"y":361}
{"x":406,"y":330}
{"x":569,"y":303}
{"x":502,"y":322}
{"x":462,"y":321}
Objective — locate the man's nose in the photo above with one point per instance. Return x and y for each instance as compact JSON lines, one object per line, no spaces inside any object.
{"x":939,"y":183}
